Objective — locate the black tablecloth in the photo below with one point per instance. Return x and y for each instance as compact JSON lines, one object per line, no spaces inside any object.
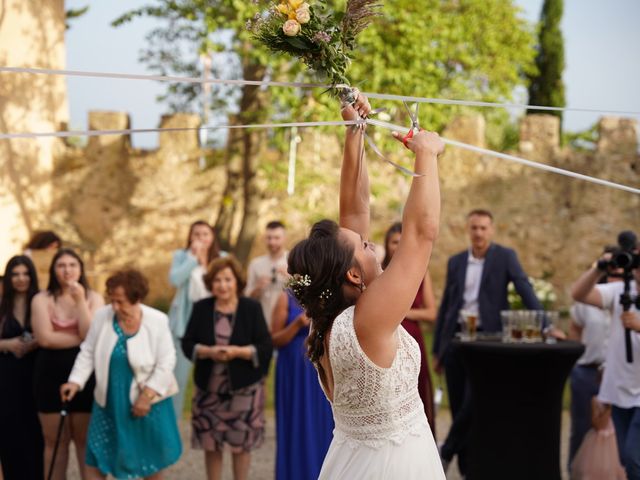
{"x":517,"y":405}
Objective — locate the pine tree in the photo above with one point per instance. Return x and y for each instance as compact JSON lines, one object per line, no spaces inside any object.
{"x":546,"y":87}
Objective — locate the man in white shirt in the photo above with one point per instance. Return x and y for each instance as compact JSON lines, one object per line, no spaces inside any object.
{"x":589,"y":325}
{"x":267,"y":274}
{"x":621,"y":380}
{"x":477,"y":281}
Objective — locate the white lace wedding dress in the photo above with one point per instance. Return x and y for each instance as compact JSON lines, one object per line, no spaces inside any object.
{"x":381,"y":429}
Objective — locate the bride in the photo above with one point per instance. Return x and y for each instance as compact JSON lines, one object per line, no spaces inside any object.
{"x":367,"y":364}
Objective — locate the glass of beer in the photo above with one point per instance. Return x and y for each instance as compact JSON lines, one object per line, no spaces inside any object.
{"x":529,"y":320}
{"x":469,"y":324}
{"x":516,"y":326}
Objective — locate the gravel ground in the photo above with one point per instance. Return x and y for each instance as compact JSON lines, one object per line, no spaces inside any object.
{"x":191,"y":464}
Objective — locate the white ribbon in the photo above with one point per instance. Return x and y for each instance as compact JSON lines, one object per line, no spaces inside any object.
{"x":128,"y":131}
{"x":513,"y":158}
{"x":399,"y":128}
{"x":269,"y":83}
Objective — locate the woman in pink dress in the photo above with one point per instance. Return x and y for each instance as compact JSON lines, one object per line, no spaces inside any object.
{"x":60,"y":317}
{"x":423,"y":309}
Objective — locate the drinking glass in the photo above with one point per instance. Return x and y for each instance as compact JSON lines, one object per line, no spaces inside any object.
{"x":469,"y":324}
{"x":517,"y":326}
{"x":507,"y":321}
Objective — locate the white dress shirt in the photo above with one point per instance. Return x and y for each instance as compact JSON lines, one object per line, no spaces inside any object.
{"x":621,"y":380}
{"x":595,"y":323}
{"x":472,"y":281}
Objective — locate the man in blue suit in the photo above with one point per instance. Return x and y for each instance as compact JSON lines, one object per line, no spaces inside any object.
{"x":477,"y":281}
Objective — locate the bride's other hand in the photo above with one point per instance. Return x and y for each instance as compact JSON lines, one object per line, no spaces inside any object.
{"x":429,"y":142}
{"x":359,"y":109}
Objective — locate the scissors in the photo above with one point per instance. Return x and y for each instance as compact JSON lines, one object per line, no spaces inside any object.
{"x":415,"y":123}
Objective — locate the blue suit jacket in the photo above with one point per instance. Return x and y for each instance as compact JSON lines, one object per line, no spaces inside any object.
{"x":501,"y":266}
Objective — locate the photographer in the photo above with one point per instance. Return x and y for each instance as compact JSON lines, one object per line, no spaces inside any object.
{"x":621,"y":381}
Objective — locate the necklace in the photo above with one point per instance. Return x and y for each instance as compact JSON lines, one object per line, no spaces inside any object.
{"x":227,"y":307}
{"x":131,"y":324}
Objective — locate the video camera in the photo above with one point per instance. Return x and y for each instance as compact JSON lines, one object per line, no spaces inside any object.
{"x":625,"y":256}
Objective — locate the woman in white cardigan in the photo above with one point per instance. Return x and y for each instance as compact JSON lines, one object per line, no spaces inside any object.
{"x":133,"y":430}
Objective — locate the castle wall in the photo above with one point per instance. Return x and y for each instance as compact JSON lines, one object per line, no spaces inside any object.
{"x":31,"y":35}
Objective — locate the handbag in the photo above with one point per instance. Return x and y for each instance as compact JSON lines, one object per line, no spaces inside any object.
{"x":597,"y":458}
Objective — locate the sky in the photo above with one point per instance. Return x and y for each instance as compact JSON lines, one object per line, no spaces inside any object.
{"x":602,"y":55}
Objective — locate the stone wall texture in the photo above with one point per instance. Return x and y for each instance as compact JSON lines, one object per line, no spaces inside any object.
{"x":31,"y":34}
{"x":123,"y":206}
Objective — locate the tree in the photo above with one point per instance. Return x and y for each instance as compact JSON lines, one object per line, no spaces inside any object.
{"x":547,"y":88}
{"x":475,"y":49}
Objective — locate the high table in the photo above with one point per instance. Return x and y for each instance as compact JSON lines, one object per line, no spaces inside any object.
{"x":516,"y":392}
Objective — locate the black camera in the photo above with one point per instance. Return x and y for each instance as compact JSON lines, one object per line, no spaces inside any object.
{"x":623,"y":257}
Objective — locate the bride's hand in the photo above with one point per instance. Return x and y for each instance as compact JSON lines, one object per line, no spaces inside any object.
{"x":359,"y":109}
{"x":429,"y":142}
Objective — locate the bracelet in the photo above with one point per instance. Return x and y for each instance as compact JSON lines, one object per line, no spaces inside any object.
{"x":150,"y":396}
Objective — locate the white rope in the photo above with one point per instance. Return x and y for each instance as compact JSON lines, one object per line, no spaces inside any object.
{"x":390,"y":126}
{"x":269,"y":83}
{"x":399,"y":128}
{"x":513,"y":158}
{"x":129,"y":131}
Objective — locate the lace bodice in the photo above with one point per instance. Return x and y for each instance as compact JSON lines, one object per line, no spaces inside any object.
{"x":371,"y":404}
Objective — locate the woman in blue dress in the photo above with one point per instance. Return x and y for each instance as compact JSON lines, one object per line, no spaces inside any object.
{"x":304,"y":422}
{"x":133,"y":431}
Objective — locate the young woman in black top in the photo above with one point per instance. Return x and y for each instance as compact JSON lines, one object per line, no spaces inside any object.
{"x":20,"y":436}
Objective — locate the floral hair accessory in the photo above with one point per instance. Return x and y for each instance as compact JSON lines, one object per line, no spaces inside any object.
{"x":325,"y":295}
{"x":297,"y":282}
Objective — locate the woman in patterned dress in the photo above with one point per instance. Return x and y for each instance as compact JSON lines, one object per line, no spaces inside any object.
{"x":228,"y":338}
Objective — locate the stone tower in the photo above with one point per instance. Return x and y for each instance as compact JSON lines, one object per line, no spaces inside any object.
{"x":31,"y":35}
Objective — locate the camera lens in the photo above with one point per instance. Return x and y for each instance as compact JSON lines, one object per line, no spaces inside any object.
{"x":622,"y":260}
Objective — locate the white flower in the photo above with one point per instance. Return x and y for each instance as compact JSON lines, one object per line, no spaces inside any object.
{"x":303,"y":14}
{"x":291,"y":28}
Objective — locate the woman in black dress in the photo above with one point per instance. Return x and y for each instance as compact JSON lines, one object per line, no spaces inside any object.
{"x":20,"y":435}
{"x":61,"y":318}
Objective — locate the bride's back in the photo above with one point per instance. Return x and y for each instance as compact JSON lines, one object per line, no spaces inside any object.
{"x":372,"y":404}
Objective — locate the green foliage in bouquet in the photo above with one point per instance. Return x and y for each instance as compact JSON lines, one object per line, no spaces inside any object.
{"x":321,"y":38}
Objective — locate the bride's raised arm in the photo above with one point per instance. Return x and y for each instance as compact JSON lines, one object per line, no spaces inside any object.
{"x":354,"y":176}
{"x":386,"y":301}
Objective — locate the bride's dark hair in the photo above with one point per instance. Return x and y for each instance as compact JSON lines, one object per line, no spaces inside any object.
{"x":323,"y":260}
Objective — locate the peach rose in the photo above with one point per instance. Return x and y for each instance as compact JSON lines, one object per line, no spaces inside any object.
{"x":291,"y":28}
{"x":303,"y":15}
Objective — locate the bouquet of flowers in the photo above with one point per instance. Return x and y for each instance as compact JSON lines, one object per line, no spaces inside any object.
{"x":324,"y":40}
{"x":543,"y":290}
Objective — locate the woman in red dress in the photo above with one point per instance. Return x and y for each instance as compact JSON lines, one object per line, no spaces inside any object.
{"x":423,"y":310}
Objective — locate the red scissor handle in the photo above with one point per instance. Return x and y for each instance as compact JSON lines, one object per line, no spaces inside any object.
{"x":410,"y":135}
